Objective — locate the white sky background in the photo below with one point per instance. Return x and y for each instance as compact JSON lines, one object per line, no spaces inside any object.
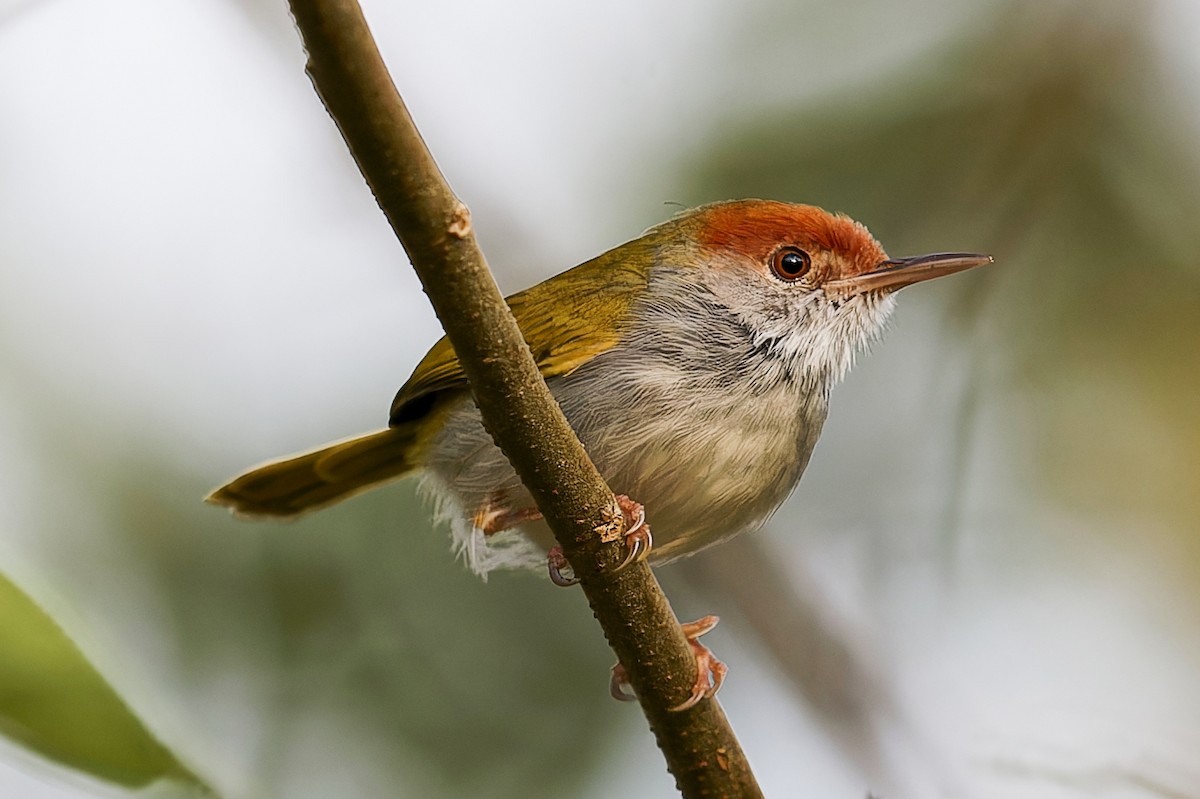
{"x":184,"y":241}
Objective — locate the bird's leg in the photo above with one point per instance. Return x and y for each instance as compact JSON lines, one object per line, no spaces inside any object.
{"x":637,"y":531}
{"x":710,"y":672}
{"x":493,"y":516}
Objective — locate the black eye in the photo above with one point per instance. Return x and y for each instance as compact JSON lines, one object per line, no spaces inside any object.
{"x":790,"y":264}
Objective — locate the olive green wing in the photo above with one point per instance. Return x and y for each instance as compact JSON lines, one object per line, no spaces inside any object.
{"x":567,"y":320}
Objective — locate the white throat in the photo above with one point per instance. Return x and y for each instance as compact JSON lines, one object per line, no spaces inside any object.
{"x":796,"y":335}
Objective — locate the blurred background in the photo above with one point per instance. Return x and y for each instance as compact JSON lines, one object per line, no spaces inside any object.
{"x":985,"y":586}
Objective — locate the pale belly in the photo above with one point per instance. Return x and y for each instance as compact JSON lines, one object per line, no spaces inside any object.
{"x":707,"y":462}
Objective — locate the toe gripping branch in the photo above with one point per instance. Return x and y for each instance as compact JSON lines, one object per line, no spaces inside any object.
{"x":637,"y":540}
{"x":710,"y":672}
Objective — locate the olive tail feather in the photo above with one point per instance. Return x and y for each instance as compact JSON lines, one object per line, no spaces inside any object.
{"x":287,"y":488}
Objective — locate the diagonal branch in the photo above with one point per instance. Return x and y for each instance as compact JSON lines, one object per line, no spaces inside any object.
{"x":435,"y":229}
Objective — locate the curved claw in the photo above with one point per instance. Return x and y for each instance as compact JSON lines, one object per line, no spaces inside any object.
{"x":616,"y":685}
{"x":639,"y":542}
{"x":556,"y":561}
{"x":637,"y":532}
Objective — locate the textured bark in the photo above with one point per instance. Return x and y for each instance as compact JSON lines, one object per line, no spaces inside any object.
{"x":435,"y":229}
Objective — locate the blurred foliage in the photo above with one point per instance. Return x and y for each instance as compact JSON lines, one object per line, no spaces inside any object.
{"x":53,"y":701}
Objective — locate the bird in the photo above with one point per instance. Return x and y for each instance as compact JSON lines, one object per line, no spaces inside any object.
{"x":695,"y":363}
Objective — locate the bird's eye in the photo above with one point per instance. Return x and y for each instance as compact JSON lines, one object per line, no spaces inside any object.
{"x":790,"y":264}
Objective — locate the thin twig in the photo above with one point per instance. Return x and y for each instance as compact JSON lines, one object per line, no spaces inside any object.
{"x":435,"y":228}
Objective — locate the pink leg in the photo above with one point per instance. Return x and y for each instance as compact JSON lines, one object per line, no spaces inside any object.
{"x":710,"y":672}
{"x":493,"y":517}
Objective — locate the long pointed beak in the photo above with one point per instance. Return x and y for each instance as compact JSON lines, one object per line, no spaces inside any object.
{"x":900,"y":272}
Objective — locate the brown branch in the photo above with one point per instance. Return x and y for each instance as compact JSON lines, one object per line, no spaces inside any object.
{"x":435,"y":229}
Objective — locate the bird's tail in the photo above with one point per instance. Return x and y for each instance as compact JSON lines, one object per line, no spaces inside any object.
{"x":290,"y":487}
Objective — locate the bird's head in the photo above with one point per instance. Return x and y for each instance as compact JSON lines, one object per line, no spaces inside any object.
{"x":811,"y":287}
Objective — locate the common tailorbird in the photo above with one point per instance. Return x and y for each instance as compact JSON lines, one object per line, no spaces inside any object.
{"x":694,"y":362}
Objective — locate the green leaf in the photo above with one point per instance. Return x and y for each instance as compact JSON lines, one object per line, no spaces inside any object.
{"x":54,"y":702}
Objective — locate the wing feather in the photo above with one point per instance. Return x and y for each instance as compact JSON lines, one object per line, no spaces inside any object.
{"x":567,"y":320}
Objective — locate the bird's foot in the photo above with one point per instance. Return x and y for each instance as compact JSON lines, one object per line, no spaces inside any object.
{"x":710,"y":672}
{"x":637,"y":537}
{"x":637,"y":532}
{"x":492,"y":517}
